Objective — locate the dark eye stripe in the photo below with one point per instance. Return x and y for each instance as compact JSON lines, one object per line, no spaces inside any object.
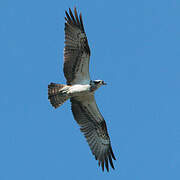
{"x":97,"y":82}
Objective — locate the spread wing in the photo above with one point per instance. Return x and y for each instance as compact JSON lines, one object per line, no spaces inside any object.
{"x":76,"y":51}
{"x":93,"y":126}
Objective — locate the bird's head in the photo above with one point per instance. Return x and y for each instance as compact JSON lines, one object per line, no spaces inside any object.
{"x":98,"y":83}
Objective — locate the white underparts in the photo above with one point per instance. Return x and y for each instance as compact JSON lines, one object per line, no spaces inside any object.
{"x":78,"y":90}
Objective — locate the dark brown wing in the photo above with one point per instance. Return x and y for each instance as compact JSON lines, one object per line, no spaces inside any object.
{"x":76,"y":51}
{"x":93,"y":126}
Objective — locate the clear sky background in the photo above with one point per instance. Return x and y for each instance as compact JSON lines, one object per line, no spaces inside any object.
{"x":135,"y":48}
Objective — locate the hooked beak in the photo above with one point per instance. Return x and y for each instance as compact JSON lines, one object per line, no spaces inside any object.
{"x":104,"y":83}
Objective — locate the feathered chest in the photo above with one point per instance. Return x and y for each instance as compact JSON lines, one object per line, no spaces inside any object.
{"x":79,"y":89}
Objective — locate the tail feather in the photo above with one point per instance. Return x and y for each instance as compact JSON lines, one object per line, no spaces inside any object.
{"x":57,"y":94}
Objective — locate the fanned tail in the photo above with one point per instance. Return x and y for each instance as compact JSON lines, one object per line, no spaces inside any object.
{"x":57,"y":94}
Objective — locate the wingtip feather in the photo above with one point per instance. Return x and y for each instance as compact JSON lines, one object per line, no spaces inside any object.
{"x":81,"y":21}
{"x":112,"y":153}
{"x":106,"y":164}
{"x":102,"y":165}
{"x":72,"y":16}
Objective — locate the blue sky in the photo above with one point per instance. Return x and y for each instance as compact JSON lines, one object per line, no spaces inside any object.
{"x":135,"y":48}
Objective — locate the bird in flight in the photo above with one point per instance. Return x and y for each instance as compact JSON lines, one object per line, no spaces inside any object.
{"x":80,"y":90}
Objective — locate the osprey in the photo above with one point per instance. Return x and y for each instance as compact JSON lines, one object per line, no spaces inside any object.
{"x":80,"y":90}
